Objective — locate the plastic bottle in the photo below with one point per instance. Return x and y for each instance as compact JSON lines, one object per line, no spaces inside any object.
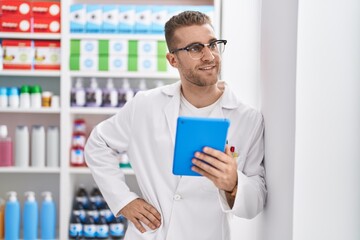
{"x":77,"y":98}
{"x":93,"y":94}
{"x":82,"y":196}
{"x":96,"y":197}
{"x":102,"y":229}
{"x":52,"y":146}
{"x":6,"y":148}
{"x":35,"y":96}
{"x":91,"y":210}
{"x":77,"y":156}
{"x":2,"y":212}
{"x":141,"y":87}
{"x":117,"y":228}
{"x":13,"y":97}
{"x":25,"y":101}
{"x":76,"y":227}
{"x":110,"y":95}
{"x":46,"y":99}
{"x":4,"y":101}
{"x":125,"y":93}
{"x":38,"y":146}
{"x":22,"y":147}
{"x":30,"y":218}
{"x":78,"y":210}
{"x":12,"y":217}
{"x":105,"y":211}
{"x":89,"y":228}
{"x":48,"y":217}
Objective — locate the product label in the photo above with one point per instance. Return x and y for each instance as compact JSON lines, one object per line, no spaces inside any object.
{"x":75,"y":230}
{"x":89,"y":230}
{"x":102,"y":231}
{"x":117,"y":229}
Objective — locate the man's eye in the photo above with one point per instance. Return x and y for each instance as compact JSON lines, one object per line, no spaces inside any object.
{"x":196,"y":48}
{"x":213,"y":45}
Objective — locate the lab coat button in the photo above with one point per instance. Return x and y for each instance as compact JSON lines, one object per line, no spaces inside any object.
{"x":177,"y":197}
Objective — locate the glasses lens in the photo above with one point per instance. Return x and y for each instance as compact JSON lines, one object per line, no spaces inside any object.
{"x":196,"y":51}
{"x":220,"y":46}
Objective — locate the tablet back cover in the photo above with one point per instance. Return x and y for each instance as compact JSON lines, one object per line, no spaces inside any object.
{"x":192,"y":135}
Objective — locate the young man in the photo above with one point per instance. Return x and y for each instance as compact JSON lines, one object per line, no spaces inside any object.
{"x":173,"y":207}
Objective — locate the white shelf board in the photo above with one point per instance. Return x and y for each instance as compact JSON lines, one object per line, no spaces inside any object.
{"x":30,"y":73}
{"x":31,"y":110}
{"x":29,"y":170}
{"x":42,"y":36}
{"x":85,"y":170}
{"x":149,"y":75}
{"x":117,"y":36}
{"x":94,"y":110}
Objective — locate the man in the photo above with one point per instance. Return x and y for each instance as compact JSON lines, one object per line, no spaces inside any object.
{"x":173,"y":207}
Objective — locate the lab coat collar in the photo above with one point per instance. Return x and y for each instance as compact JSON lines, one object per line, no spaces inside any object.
{"x":228,"y":101}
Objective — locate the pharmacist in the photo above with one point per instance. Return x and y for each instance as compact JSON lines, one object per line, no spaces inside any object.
{"x":173,"y":207}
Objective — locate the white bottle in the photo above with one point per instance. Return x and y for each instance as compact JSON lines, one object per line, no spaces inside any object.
{"x":93,"y":94}
{"x":142,"y":86}
{"x":38,"y":146}
{"x":14,"y":97}
{"x":35,"y":96}
{"x":4,"y":101}
{"x":78,"y":94}
{"x":25,"y":96}
{"x":52,"y":146}
{"x":125,"y":93}
{"x":110,"y":95}
{"x":22,"y":148}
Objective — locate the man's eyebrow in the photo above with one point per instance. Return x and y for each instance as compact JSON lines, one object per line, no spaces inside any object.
{"x":211,"y":40}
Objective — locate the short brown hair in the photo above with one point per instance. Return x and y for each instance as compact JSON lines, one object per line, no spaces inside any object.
{"x":184,"y":19}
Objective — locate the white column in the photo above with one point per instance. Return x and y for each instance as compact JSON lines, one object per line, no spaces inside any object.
{"x":327,"y":162}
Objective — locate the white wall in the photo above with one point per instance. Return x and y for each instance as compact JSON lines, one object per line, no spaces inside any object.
{"x":327,"y":163}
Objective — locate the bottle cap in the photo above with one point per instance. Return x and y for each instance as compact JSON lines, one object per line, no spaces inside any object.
{"x":3,"y":131}
{"x":30,"y":196}
{"x":110,"y":83}
{"x":24,"y":89}
{"x":79,"y":83}
{"x":36,"y":89}
{"x":13,"y":91}
{"x":55,"y":101}
{"x":3,"y":91}
{"x":47,"y":196}
{"x":11,"y":196}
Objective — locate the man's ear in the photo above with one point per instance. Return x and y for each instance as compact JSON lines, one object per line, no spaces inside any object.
{"x":171,"y":59}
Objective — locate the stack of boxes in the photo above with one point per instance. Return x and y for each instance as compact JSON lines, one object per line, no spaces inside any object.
{"x":118,"y":55}
{"x":27,"y":16}
{"x":30,"y":54}
{"x":127,"y":19}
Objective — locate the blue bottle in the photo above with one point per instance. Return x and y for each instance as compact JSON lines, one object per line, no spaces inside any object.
{"x":48,"y":217}
{"x":89,"y":228}
{"x":76,"y":227}
{"x":117,"y":228}
{"x":30,"y":218}
{"x":12,"y":217}
{"x":102,"y":228}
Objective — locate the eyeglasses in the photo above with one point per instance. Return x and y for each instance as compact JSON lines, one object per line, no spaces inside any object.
{"x":196,"y":50}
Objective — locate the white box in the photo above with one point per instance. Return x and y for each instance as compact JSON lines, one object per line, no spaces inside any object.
{"x":118,"y":46}
{"x":93,"y":18}
{"x":147,"y":47}
{"x":89,"y":63}
{"x":143,"y":19}
{"x":89,"y":46}
{"x":110,"y":18}
{"x":159,"y":16}
{"x":118,"y":63}
{"x":77,"y":17}
{"x":147,"y":63}
{"x":126,"y":19}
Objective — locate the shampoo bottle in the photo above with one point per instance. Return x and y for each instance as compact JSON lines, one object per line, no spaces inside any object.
{"x":52,"y":146}
{"x":12,"y":217}
{"x":48,"y":217}
{"x":93,"y":94}
{"x":77,"y":97}
{"x":125,"y":93}
{"x":22,"y":147}
{"x":110,"y":95}
{"x":38,"y":146}
{"x":6,"y":148}
{"x":30,"y":218}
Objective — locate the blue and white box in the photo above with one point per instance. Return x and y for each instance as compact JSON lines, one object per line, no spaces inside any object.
{"x":89,"y":47}
{"x":159,"y":18}
{"x":147,"y":47}
{"x":93,"y":18}
{"x":77,"y":18}
{"x":118,"y":47}
{"x":126,"y":19}
{"x":110,"y":18}
{"x":89,"y":63}
{"x":118,"y":63}
{"x":143,"y":19}
{"x":147,"y":63}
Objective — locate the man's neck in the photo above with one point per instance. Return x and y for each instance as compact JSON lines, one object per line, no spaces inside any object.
{"x":201,"y":96}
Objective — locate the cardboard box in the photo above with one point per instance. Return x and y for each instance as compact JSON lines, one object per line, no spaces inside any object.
{"x":89,"y":47}
{"x":77,"y":18}
{"x":16,"y":8}
{"x":119,"y":47}
{"x":46,"y":25}
{"x":17,"y":54}
{"x":46,"y":10}
{"x":89,"y":63}
{"x":47,"y":55}
{"x":147,"y":47}
{"x":15,"y":24}
{"x":143,"y":19}
{"x":126,"y":19}
{"x":118,"y":63}
{"x":159,"y":16}
{"x":93,"y":18}
{"x":110,"y":18}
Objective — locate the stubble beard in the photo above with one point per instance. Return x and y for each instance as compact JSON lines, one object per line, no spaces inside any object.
{"x":201,"y":80}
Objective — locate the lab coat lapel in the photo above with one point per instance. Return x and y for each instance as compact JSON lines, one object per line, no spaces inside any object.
{"x":172,"y":108}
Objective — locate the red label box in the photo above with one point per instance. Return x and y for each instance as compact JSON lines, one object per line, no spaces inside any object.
{"x":15,"y":7}
{"x":46,"y":10}
{"x":47,"y":55}
{"x":17,"y":54}
{"x":15,"y":24}
{"x":46,"y":25}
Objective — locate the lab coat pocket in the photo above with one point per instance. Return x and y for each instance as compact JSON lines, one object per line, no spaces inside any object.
{"x":134,"y":233}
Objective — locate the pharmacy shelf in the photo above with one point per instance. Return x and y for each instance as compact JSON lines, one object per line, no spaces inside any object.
{"x":31,"y":110}
{"x":30,"y":73}
{"x":41,"y":36}
{"x":149,"y":75}
{"x":101,"y":36}
{"x":94,"y":110}
{"x":85,"y":170}
{"x":29,"y":170}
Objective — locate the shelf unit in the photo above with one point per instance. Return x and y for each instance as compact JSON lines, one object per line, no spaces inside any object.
{"x":64,"y":180}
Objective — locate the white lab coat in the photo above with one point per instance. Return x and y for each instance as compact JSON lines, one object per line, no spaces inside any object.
{"x":190,"y":207}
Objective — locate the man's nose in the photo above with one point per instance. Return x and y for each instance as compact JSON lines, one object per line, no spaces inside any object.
{"x":208,"y":54}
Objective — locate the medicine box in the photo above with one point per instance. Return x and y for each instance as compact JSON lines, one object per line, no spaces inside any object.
{"x":159,"y":16}
{"x":118,"y":47}
{"x":46,"y":10}
{"x":118,"y":63}
{"x":15,"y":24}
{"x":15,"y":8}
{"x":17,"y":54}
{"x":110,"y":18}
{"x":46,"y":25}
{"x":143,"y":19}
{"x":89,"y":63}
{"x":93,"y":18}
{"x":47,"y":55}
{"x":89,"y":47}
{"x":126,"y":19}
{"x":147,"y":47}
{"x":77,"y":18}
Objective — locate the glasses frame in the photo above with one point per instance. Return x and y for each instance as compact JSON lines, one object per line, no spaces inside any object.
{"x":187,"y":48}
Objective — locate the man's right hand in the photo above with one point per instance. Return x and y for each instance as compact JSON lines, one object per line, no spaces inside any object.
{"x":139,"y":211}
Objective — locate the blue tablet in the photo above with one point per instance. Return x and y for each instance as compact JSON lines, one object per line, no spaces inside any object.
{"x":192,"y":135}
